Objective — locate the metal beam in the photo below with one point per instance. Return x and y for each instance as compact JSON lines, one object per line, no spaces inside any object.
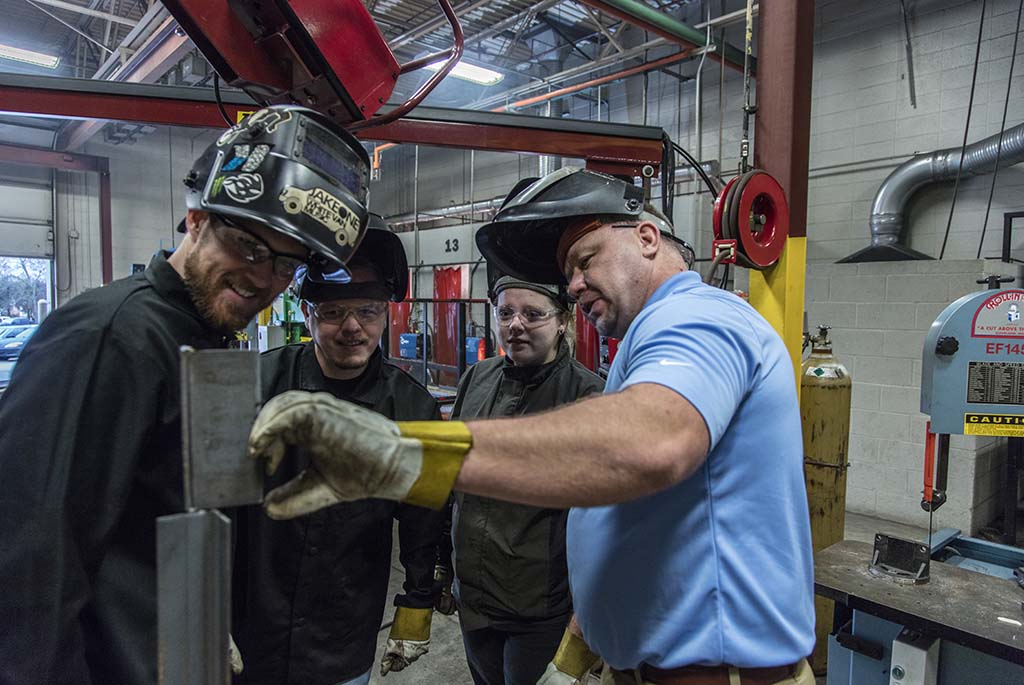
{"x":619,"y":147}
{"x":51,"y":159}
{"x":782,"y":146}
{"x":431,"y":24}
{"x":152,"y":60}
{"x":83,"y":34}
{"x":78,"y":9}
{"x":661,"y":24}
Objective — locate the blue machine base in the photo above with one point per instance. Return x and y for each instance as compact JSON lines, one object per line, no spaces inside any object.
{"x":958,"y":665}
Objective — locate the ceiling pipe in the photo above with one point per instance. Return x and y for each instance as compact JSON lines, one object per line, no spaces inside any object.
{"x":888,"y":211}
{"x":625,"y":73}
{"x":669,"y":28}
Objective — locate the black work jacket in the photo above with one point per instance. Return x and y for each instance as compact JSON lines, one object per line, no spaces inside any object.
{"x":90,"y":456}
{"x":510,"y":566}
{"x":310,"y":593}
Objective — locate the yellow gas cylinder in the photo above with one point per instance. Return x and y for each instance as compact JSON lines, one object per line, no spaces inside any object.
{"x":825,"y":388}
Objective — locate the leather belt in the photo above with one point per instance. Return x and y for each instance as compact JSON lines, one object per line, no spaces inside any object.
{"x":715,"y":675}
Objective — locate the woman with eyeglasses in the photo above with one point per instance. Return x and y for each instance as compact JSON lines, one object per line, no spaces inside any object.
{"x":511,"y":581}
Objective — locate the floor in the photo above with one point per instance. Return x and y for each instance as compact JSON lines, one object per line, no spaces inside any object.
{"x":445,"y":664}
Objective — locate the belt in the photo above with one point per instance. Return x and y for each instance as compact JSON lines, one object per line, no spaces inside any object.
{"x":716,"y":675}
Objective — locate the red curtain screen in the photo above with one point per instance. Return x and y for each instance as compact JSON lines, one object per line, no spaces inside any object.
{"x":447,"y":286}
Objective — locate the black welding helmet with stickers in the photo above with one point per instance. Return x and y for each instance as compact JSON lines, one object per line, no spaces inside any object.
{"x":381,"y":249}
{"x":523,"y":238}
{"x":293,"y":170}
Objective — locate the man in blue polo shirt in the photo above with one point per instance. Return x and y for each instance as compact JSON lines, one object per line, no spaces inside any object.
{"x":689,"y":542}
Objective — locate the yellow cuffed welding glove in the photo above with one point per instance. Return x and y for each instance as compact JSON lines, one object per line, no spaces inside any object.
{"x":571,"y":662}
{"x":408,"y":640}
{"x":355,"y":453}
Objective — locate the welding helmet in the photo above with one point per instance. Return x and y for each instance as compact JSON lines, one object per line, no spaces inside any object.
{"x":498,"y":282}
{"x":522,"y":240}
{"x":380,"y":249}
{"x":293,"y":170}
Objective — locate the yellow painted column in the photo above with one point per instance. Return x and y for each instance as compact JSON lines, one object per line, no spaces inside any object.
{"x":778,"y":294}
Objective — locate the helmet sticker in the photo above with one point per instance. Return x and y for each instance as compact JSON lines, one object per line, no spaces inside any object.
{"x":267,"y":119}
{"x":256,"y":158}
{"x":324,"y":208}
{"x":247,"y":158}
{"x":243,"y":187}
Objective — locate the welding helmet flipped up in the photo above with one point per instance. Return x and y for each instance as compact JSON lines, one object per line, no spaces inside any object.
{"x":522,"y":240}
{"x":381,"y":249}
{"x":293,"y":170}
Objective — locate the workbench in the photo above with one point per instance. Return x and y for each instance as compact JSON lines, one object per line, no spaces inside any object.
{"x":979,"y":619}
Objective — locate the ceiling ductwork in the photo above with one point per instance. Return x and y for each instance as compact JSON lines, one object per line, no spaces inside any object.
{"x":888,"y":211}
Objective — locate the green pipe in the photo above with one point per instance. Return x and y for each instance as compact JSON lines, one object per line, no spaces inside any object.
{"x":645,"y":16}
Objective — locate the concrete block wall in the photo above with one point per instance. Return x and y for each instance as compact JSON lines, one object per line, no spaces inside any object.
{"x":863,"y":124}
{"x":880,"y":313}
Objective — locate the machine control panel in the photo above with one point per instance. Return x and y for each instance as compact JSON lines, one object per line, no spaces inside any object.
{"x":972,"y":375}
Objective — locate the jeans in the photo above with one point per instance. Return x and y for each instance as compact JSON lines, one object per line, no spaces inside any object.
{"x":506,"y":657}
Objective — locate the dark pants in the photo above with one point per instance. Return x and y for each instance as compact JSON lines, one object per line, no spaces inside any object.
{"x":505,"y":657}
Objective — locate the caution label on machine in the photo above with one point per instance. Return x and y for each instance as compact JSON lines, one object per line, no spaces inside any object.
{"x":1008,"y":425}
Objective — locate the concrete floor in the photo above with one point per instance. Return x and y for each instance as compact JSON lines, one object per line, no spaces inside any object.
{"x":445,"y":664}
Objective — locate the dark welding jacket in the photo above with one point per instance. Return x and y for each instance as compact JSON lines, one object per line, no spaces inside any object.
{"x":310,"y":593}
{"x":510,"y":568}
{"x":90,"y":456}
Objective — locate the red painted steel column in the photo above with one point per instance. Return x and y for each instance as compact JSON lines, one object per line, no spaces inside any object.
{"x":783,"y":120}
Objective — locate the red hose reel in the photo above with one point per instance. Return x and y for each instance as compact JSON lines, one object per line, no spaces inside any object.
{"x":752,"y":211}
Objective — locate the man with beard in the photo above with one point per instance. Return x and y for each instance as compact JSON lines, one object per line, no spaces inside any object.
{"x":310,"y":593}
{"x":688,"y":544}
{"x":90,"y":428}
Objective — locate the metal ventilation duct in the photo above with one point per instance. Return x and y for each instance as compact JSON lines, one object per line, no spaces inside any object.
{"x":889,"y":208}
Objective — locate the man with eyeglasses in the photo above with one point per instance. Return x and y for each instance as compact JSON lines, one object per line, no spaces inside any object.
{"x":689,"y":542}
{"x":311,"y":592}
{"x":90,"y":427}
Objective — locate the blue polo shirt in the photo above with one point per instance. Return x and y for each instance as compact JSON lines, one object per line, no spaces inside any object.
{"x":718,"y":568}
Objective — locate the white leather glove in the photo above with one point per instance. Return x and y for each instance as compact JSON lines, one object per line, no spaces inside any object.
{"x":552,"y":676}
{"x":355,"y":453}
{"x":571,"y":662}
{"x":234,"y":655}
{"x":408,"y":640}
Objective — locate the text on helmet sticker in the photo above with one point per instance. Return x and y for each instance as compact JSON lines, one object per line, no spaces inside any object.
{"x":323,"y":207}
{"x":243,"y":187}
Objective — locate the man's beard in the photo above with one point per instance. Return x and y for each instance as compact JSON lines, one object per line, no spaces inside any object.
{"x":204,"y":286}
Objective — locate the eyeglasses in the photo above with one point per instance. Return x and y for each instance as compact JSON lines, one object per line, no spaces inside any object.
{"x":252,"y":249}
{"x":529,"y":316}
{"x":333,"y":313}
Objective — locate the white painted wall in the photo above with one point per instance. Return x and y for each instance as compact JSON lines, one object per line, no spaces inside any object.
{"x":147,"y":201}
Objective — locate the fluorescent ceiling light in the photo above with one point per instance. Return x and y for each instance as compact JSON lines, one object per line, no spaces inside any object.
{"x":470,"y":72}
{"x":28,"y":56}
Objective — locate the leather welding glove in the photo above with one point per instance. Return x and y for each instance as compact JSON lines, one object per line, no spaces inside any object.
{"x":571,"y":662}
{"x":408,"y":640}
{"x":234,"y":656}
{"x":355,"y":454}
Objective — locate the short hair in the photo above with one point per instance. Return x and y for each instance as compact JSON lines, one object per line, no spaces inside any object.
{"x":665,"y":226}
